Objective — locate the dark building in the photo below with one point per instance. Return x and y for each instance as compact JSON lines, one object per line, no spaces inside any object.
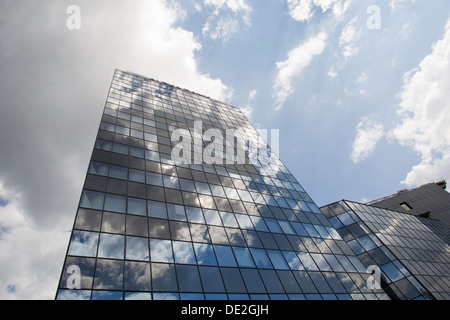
{"x":430,"y":200}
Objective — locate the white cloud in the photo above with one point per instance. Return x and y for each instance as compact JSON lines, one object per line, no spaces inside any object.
{"x":53,"y":85}
{"x":368,"y":134}
{"x":226,"y":18}
{"x":298,"y":59}
{"x":394,"y":4}
{"x":350,"y":34}
{"x":31,"y":259}
{"x":304,"y":10}
{"x":425,"y":114}
{"x":247,"y":110}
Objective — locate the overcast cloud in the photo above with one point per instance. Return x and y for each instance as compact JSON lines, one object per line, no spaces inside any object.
{"x":53,"y":87}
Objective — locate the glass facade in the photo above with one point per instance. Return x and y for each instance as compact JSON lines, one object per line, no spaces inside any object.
{"x":412,"y":253}
{"x":184,"y":200}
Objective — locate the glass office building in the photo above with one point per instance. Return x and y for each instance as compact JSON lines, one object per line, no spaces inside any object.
{"x":184,"y":200}
{"x":412,"y":253}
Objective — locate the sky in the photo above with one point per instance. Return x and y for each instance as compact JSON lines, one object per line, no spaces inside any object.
{"x":357,"y":89}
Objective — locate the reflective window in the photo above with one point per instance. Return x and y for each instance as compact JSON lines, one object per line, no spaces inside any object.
{"x":115,"y":203}
{"x":271,"y":281}
{"x":108,"y":275}
{"x":229,"y":220}
{"x":99,"y":168}
{"x":137,"y":249}
{"x":176,"y":212}
{"x":311,"y":230}
{"x":158,"y":228}
{"x":225,"y":256}
{"x":137,"y":226}
{"x":286,"y":227}
{"x":83,"y":243}
{"x":157,"y":209}
{"x":154,"y":179}
{"x":293,"y":260}
{"x":243,"y":257}
{"x":137,"y":175}
{"x":392,"y":271}
{"x":111,"y":246}
{"x":188,"y":278}
{"x":194,"y":215}
{"x":307,"y":261}
{"x":137,"y":277}
{"x":163,"y":279}
{"x":218,"y":235}
{"x":92,"y":200}
{"x":161,"y":250}
{"x":253,"y":281}
{"x":118,"y":172}
{"x":205,"y":254}
{"x":179,"y":231}
{"x":212,"y":217}
{"x":261,"y":258}
{"x":321,"y":262}
{"x":137,"y":206}
{"x":113,"y":222}
{"x":171,"y":182}
{"x":259,"y":223}
{"x":244,"y":221}
{"x":273,"y":225}
{"x":183,"y":252}
{"x":277,"y":259}
{"x":211,"y":279}
{"x":233,"y":280}
{"x":199,"y":233}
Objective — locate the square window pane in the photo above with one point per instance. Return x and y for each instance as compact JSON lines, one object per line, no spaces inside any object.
{"x":137,"y":206}
{"x":108,"y":275}
{"x":229,"y":220}
{"x":277,"y":259}
{"x":99,"y":168}
{"x":111,"y":246}
{"x":113,"y":222}
{"x":176,"y":212}
{"x":244,"y":221}
{"x":83,"y":243}
{"x":243,"y":257}
{"x":137,"y":226}
{"x":212,"y":217}
{"x":183,"y":252}
{"x":163,"y":278}
{"x":137,"y":249}
{"x":154,"y":179}
{"x":261,"y":258}
{"x":211,"y":279}
{"x":157,"y":209}
{"x":199,"y":233}
{"x":194,"y":215}
{"x":115,"y":203}
{"x":92,"y":200}
{"x":137,"y":276}
{"x":188,"y":278}
{"x":137,"y":175}
{"x":159,"y":228}
{"x":161,"y":250}
{"x":205,"y":254}
{"x":118,"y":172}
{"x":225,"y":256}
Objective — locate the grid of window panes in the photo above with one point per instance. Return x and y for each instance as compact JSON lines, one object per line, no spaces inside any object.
{"x":412,"y":252}
{"x":147,"y":228}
